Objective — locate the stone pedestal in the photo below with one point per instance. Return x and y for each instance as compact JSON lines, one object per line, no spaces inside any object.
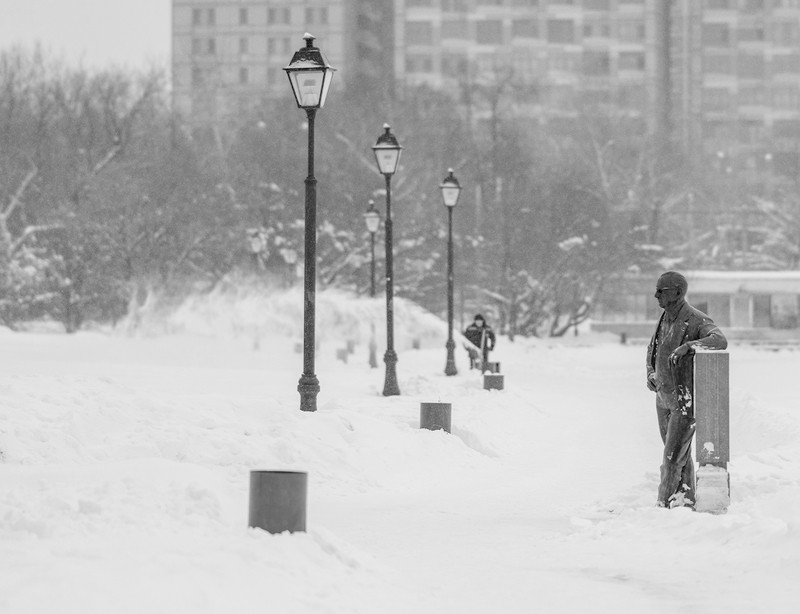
{"x":712,"y":439}
{"x":435,"y":416}
{"x":493,"y":381}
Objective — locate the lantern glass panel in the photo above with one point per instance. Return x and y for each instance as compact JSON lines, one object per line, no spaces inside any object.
{"x":373,"y":220}
{"x":450,"y":193}
{"x":307,"y":86}
{"x":387,"y":159}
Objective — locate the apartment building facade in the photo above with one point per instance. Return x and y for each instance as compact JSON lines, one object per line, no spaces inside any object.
{"x":735,"y":67}
{"x":721,"y":77}
{"x":228,"y":55}
{"x":600,"y":52}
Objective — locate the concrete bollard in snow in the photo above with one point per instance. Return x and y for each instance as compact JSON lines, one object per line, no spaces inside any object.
{"x":278,"y":500}
{"x":342,"y":355}
{"x":493,"y":381}
{"x":435,"y":416}
{"x":712,"y":415}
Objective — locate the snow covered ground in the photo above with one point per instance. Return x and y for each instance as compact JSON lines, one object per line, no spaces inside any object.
{"x":126,"y":458}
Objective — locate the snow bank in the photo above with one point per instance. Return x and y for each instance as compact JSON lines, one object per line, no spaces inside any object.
{"x":126,"y":462}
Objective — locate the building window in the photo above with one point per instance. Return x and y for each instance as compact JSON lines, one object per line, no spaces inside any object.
{"x":197,"y":46}
{"x":489,"y":32}
{"x":596,"y":63}
{"x":751,"y":66}
{"x":244,"y":76}
{"x":455,"y":28}
{"x":596,"y":29}
{"x":752,"y":131}
{"x":596,"y":5}
{"x":410,"y":3}
{"x":786,"y":97}
{"x":722,"y":64}
{"x":753,"y":6}
{"x":719,"y":5}
{"x":419,"y":63}
{"x":787,"y":63}
{"x":197,"y":17}
{"x":716,"y":99}
{"x":275,"y":15}
{"x":560,"y":31}
{"x":631,"y":60}
{"x":419,"y":33}
{"x":561,"y":61}
{"x":749,"y":35}
{"x":786,"y":128}
{"x":272,"y":75}
{"x":211,"y":17}
{"x":786,"y":34}
{"x":716,"y":35}
{"x":309,"y":15}
{"x":453,"y":64}
{"x":525,"y":28}
{"x":197,"y":76}
{"x":243,"y":45}
{"x":455,"y":6}
{"x":271,"y":45}
{"x":243,"y":16}
{"x":211,"y":47}
{"x":750,"y":96}
{"x":631,"y":31}
{"x":323,"y":15}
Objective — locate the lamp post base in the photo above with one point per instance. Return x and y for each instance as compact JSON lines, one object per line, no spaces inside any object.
{"x":390,"y":387}
{"x":450,"y":367}
{"x":308,"y":387}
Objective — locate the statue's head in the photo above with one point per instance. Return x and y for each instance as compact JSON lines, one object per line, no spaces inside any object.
{"x":671,"y":288}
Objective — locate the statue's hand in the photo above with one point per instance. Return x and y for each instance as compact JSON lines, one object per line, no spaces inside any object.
{"x":679,"y":352}
{"x":651,"y":382}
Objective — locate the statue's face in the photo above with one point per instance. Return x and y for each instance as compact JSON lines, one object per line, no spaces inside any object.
{"x":667,"y":293}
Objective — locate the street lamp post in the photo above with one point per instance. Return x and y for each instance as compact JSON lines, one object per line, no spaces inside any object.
{"x":451,"y":190}
{"x":387,"y":155}
{"x":310,"y":77}
{"x":373,"y":220}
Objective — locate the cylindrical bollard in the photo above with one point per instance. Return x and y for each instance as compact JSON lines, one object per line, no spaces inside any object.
{"x":278,"y":500}
{"x":434,"y":416}
{"x":492,"y":381}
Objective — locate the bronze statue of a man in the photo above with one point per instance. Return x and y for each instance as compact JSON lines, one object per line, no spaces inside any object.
{"x":680,"y":330}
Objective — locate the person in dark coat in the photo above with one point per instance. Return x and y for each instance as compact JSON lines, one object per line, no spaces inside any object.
{"x":482,"y":338}
{"x":681,"y":328}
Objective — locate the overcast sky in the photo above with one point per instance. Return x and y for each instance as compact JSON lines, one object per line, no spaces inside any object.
{"x":97,"y":32}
